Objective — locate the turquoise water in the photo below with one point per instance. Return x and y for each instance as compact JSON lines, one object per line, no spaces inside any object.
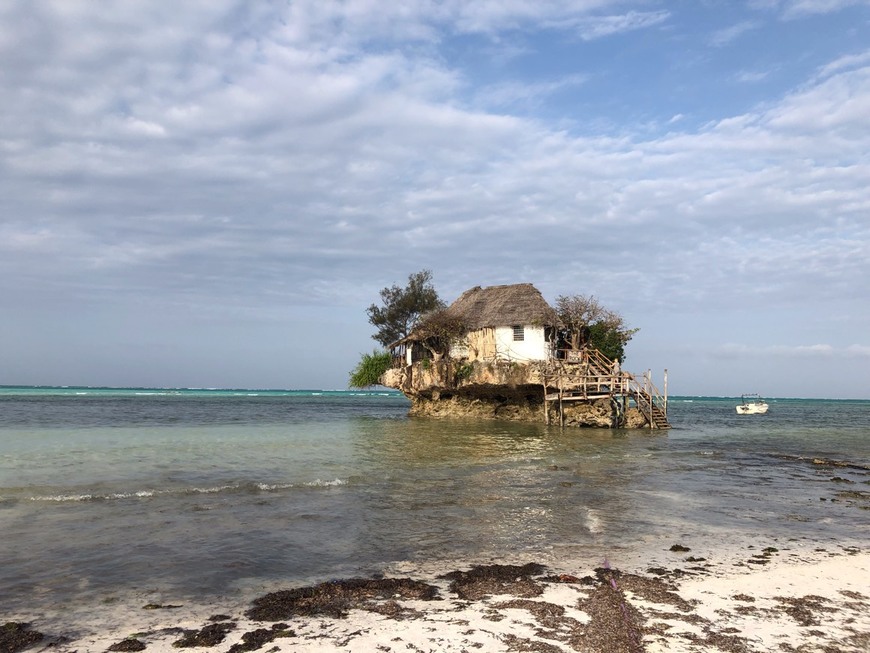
{"x":194,"y":492}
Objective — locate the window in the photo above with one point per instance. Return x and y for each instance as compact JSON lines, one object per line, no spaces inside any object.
{"x":519,"y":334}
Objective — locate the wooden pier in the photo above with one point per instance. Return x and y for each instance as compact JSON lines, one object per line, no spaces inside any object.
{"x":586,"y":375}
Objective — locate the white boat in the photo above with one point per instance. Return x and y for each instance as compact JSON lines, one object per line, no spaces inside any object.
{"x":752,"y":405}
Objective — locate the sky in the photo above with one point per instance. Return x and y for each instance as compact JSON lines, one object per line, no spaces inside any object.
{"x":209,"y":193}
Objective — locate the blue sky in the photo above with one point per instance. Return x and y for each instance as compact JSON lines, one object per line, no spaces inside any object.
{"x":211,"y":193}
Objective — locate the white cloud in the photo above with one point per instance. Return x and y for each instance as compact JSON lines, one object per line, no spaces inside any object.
{"x":427,"y":21}
{"x":862,"y":351}
{"x":523,"y":93}
{"x":752,"y":76}
{"x":600,"y":26}
{"x":553,"y":14}
{"x":847,"y":62}
{"x":729,"y":34}
{"x":763,"y":4}
{"x":792,"y":9}
{"x":145,"y":127}
{"x":838,"y":105}
{"x":801,"y":8}
{"x":734,"y":350}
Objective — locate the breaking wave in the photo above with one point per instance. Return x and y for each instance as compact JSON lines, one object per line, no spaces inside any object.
{"x":233,"y":488}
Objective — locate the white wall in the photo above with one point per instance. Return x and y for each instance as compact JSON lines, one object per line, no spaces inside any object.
{"x":532,"y":347}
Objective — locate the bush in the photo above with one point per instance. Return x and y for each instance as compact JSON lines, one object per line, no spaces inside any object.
{"x":370,"y":369}
{"x":464,"y":371}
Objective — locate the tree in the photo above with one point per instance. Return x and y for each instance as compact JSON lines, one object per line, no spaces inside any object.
{"x":589,"y":324}
{"x":439,"y":330}
{"x":403,"y":307}
{"x":370,"y":369}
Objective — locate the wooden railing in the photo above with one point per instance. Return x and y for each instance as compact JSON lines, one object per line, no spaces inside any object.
{"x":650,"y":401}
{"x":583,"y":374}
{"x":596,"y":375}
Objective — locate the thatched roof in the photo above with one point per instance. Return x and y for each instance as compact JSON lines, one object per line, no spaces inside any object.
{"x":517,"y":304}
{"x":514,"y":304}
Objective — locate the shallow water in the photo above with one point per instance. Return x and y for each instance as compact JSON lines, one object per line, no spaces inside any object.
{"x":195,"y":492}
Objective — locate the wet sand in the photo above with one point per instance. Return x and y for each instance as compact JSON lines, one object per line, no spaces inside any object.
{"x":790,"y":597}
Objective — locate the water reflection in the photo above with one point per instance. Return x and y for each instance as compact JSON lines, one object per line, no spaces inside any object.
{"x":459,"y":488}
{"x":474,"y":489}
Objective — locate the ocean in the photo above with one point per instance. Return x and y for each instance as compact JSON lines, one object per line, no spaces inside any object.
{"x":191,"y":494}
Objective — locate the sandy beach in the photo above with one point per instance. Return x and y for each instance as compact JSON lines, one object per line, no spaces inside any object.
{"x":795,"y":596}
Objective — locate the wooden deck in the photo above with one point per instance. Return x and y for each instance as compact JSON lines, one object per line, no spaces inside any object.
{"x":587,"y":375}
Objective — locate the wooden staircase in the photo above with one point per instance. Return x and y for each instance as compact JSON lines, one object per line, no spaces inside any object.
{"x":594,"y":375}
{"x":651,"y":404}
{"x":646,"y":404}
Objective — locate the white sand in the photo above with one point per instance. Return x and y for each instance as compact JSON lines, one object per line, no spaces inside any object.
{"x":735,"y":606}
{"x":839,"y":585}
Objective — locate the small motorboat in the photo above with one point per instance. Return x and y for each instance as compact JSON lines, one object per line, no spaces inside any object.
{"x":752,"y":405}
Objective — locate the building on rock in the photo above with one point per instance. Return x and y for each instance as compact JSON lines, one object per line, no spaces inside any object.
{"x":501,"y":352}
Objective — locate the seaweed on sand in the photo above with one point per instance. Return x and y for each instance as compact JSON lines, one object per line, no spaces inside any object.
{"x":336,"y":598}
{"x":16,"y":636}
{"x":654,"y":590}
{"x":210,"y":635}
{"x":483,"y":581}
{"x":127,"y":645}
{"x":614,"y":625}
{"x":804,"y":609}
{"x":255,"y":639}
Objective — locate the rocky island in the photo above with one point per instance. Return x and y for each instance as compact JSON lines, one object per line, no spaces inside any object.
{"x":503,"y":352}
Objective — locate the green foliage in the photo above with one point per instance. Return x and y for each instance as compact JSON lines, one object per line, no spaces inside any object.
{"x":609,"y":341}
{"x":463,"y":371}
{"x":402,"y":307}
{"x":370,"y":369}
{"x":588,"y":323}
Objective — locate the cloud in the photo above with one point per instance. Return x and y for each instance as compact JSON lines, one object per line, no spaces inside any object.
{"x":847,"y":62}
{"x":525,"y":94}
{"x":793,"y":9}
{"x":590,"y":16}
{"x":225,"y":162}
{"x":144,"y":127}
{"x":798,"y":352}
{"x":802,"y":8}
{"x":226,"y":151}
{"x":601,"y":26}
{"x":729,"y":34}
{"x":752,"y":77}
{"x":834,"y":106}
{"x":368,"y":21}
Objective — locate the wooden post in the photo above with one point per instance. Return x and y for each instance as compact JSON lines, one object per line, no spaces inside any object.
{"x":546,"y":410}
{"x":647,"y":388}
{"x":666,"y":392}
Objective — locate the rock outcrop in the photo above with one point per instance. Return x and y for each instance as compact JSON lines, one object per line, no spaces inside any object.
{"x":500,"y":390}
